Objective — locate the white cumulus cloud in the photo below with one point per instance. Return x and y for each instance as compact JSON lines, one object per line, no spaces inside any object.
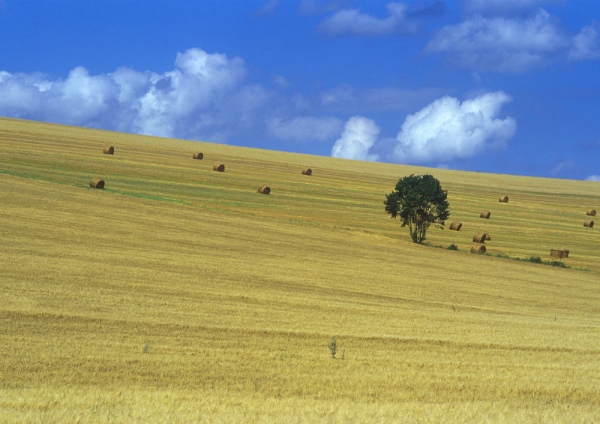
{"x":204,"y":97}
{"x":448,"y":129}
{"x":501,"y":44}
{"x":593,"y":178}
{"x":354,"y":22}
{"x":359,"y":135}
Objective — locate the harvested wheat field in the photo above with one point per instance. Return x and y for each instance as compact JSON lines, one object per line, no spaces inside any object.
{"x":176,"y":294}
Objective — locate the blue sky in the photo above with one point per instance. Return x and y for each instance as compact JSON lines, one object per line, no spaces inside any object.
{"x":502,"y":86}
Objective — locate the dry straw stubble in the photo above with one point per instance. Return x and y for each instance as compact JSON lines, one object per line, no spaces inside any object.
{"x":97,"y":183}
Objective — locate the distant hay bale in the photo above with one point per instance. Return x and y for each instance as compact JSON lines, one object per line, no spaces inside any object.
{"x":478,"y":248}
{"x":588,"y":224}
{"x":307,"y":171}
{"x":198,"y":155}
{"x":110,"y":150}
{"x":559,"y":253}
{"x":265,"y":189}
{"x":556,"y":253}
{"x":485,"y":214}
{"x":456,"y":225}
{"x":487,"y":237}
{"x":591,"y":212}
{"x":503,"y":199}
{"x":480,"y":237}
{"x":219,"y":168}
{"x":97,"y":183}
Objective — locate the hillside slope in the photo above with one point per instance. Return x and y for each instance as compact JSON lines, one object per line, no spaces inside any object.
{"x":181,"y":292}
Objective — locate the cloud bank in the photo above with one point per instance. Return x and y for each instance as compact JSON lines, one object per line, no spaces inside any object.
{"x":205,"y":97}
{"x":359,"y":135}
{"x":447,"y":129}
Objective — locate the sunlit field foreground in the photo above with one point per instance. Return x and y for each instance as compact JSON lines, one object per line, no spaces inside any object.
{"x":180,"y":294}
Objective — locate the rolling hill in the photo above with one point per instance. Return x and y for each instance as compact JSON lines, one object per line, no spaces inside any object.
{"x":181,"y":294}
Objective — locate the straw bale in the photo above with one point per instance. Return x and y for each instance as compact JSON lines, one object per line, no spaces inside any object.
{"x":307,"y":171}
{"x":487,"y":237}
{"x":478,"y":248}
{"x":485,"y":214}
{"x":559,"y":253}
{"x":219,"y":168}
{"x":456,"y":225}
{"x":198,"y":155}
{"x":556,"y":253}
{"x":503,"y":199}
{"x":480,"y":237}
{"x":591,"y":212}
{"x":97,"y":183}
{"x":110,"y":150}
{"x":588,"y":224}
{"x":265,"y":189}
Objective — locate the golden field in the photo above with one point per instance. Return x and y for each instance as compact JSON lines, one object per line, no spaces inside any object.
{"x":179,"y":294}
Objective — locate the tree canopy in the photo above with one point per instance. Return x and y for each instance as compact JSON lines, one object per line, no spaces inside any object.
{"x":419,"y":201}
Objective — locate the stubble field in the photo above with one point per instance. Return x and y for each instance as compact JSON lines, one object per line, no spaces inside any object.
{"x":179,"y":294}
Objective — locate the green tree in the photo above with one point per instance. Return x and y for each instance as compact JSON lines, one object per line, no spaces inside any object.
{"x":419,"y":201}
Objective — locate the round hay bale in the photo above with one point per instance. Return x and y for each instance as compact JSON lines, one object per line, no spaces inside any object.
{"x":265,"y":189}
{"x":479,"y":237}
{"x":487,"y":237}
{"x":307,"y":171}
{"x":198,"y":155}
{"x":591,"y":212}
{"x":110,"y":150}
{"x":97,"y":183}
{"x":478,"y":248}
{"x":455,"y":226}
{"x":219,"y":168}
{"x":503,"y":199}
{"x":588,"y":224}
{"x":485,"y":214}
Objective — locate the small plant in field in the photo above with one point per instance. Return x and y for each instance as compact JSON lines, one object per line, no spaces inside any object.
{"x":147,"y":347}
{"x":343,"y":354}
{"x":333,"y":346}
{"x":453,"y":247}
{"x":558,"y":263}
{"x":535,"y":259}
